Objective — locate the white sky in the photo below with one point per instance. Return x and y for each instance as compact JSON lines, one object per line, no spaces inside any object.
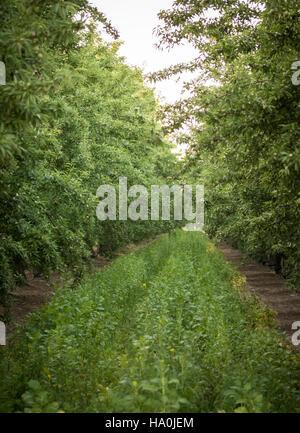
{"x":135,"y":21}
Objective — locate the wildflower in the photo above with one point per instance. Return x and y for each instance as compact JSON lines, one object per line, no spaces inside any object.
{"x":172,"y":350}
{"x":144,"y":285}
{"x":219,"y":335}
{"x":134,"y":383}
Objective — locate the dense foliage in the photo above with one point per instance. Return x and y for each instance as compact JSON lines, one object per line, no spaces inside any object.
{"x":245,"y":142}
{"x":74,"y":116}
{"x":169,"y":328}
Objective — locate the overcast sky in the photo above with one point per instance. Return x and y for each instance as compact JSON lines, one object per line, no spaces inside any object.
{"x":135,"y":21}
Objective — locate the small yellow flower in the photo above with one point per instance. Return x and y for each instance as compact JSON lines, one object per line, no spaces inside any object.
{"x":172,"y":350}
{"x":211,"y":249}
{"x":134,"y":383}
{"x":219,"y":335}
{"x":49,"y":376}
{"x":144,"y":285}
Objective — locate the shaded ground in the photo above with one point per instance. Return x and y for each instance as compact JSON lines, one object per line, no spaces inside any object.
{"x":38,"y":291}
{"x":30,"y":297}
{"x":269,"y":287}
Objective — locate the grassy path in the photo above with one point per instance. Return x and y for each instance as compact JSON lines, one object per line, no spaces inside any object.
{"x":168,"y":328}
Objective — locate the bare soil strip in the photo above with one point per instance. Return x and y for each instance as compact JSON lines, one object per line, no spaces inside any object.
{"x":269,"y":287}
{"x":38,"y":291}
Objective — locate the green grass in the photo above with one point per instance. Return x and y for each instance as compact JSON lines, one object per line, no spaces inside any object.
{"x":169,"y":328}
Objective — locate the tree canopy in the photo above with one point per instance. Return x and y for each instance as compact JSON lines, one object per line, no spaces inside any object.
{"x":244,"y":141}
{"x":73,"y":116}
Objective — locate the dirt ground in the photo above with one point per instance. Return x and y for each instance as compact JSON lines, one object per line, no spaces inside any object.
{"x":30,"y":297}
{"x":269,"y":287}
{"x":38,"y":291}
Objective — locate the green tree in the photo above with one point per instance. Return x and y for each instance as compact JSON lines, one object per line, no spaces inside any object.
{"x":246,"y":140}
{"x":74,"y":116}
